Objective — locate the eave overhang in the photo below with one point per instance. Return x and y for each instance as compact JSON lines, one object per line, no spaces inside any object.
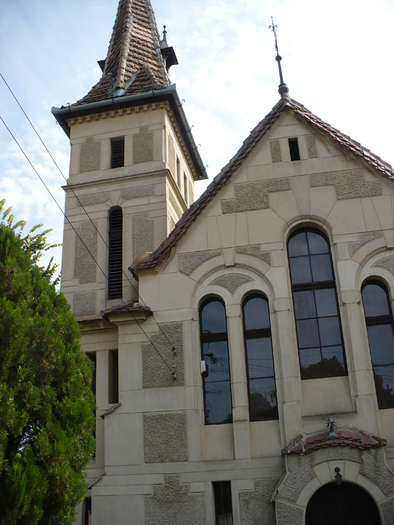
{"x":167,"y":94}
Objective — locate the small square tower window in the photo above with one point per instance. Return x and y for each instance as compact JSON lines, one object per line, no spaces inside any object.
{"x":294,"y":150}
{"x":117,"y":152}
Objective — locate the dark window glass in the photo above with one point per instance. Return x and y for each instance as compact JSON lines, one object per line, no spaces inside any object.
{"x":115,"y":254}
{"x":319,"y":332}
{"x":214,"y":347}
{"x":259,"y":358}
{"x":223,"y":504}
{"x":379,"y":320}
{"x":117,"y":153}
{"x":294,"y":151}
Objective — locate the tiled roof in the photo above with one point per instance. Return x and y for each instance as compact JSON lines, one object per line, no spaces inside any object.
{"x":134,"y":62}
{"x":285,"y":104}
{"x":304,"y":444}
{"x":130,"y":306}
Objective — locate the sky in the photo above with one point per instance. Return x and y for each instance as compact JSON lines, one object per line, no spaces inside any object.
{"x":337,"y":61}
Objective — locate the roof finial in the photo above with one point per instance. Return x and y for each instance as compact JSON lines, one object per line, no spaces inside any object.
{"x":283,"y":89}
{"x":163,"y":43}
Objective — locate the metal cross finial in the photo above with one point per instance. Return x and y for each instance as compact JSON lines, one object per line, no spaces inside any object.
{"x":283,"y":89}
{"x":273,"y":27}
{"x":330,"y":421}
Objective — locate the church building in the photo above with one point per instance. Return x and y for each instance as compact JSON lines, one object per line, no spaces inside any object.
{"x":242,"y":343}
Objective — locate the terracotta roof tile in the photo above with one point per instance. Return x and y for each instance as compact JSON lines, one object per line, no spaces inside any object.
{"x":304,"y":444}
{"x":285,"y":103}
{"x":134,"y":62}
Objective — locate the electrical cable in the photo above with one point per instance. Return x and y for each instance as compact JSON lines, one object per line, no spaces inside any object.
{"x":87,"y":249}
{"x":84,"y":210}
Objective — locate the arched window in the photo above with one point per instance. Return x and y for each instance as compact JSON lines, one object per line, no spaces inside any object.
{"x":115,"y":254}
{"x":319,"y":332}
{"x":214,"y":349}
{"x":379,"y":320}
{"x":259,"y":359}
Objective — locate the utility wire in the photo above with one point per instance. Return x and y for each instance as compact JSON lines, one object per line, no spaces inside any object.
{"x":84,"y":209}
{"x":82,"y":241}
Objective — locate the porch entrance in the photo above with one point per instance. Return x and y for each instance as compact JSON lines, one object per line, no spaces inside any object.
{"x":344,"y":505}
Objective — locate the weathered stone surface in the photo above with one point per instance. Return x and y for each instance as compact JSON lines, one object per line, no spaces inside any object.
{"x":374,"y":467}
{"x":231,"y":282}
{"x":289,"y":514}
{"x":95,"y":198}
{"x":84,"y":303}
{"x":175,"y":204}
{"x":172,"y":504}
{"x":300,"y":473}
{"x":143,"y":146}
{"x":86,"y":253}
{"x":255,"y":251}
{"x":387,"y":509}
{"x":155,"y":373}
{"x":364,"y":239}
{"x":188,"y":262}
{"x":90,"y":156}
{"x":387,"y":263}
{"x":165,"y":439}
{"x":254,"y":195}
{"x":171,"y":156}
{"x":276,"y":154}
{"x":142,"y":234}
{"x":350,"y":184}
{"x":311,"y":147}
{"x":138,"y":193}
{"x":255,"y":507}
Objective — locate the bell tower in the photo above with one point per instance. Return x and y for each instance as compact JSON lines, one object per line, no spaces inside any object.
{"x":133,"y":164}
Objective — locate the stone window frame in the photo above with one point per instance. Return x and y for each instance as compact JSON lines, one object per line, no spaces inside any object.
{"x":373,"y":322}
{"x":253,"y":334}
{"x":314,"y":286}
{"x":207,"y":337}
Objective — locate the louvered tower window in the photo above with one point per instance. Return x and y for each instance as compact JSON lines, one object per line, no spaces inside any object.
{"x":115,"y":254}
{"x":117,"y":153}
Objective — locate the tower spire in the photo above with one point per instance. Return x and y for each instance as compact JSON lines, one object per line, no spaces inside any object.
{"x":283,"y":89}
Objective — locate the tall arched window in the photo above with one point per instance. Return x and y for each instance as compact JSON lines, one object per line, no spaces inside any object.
{"x":379,"y":321}
{"x":214,"y":349}
{"x":115,"y":254}
{"x":316,"y":311}
{"x":259,"y":359}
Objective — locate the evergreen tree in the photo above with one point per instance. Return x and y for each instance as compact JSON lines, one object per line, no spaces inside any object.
{"x":46,"y":401}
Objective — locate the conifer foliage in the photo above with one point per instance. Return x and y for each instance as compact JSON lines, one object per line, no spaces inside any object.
{"x":46,"y":400}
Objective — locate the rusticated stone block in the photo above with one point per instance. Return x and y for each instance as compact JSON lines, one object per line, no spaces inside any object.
{"x":143,"y":146}
{"x":231,"y":282}
{"x":276,"y":154}
{"x":91,"y":200}
{"x":142,"y":234}
{"x":256,"y":507}
{"x":288,"y":514}
{"x":255,"y":251}
{"x":254,"y":195}
{"x":86,"y":253}
{"x":172,"y":504}
{"x":165,"y":438}
{"x":387,"y":263}
{"x":188,"y":262}
{"x":350,"y":184}
{"x":84,"y":303}
{"x":311,"y":147}
{"x":138,"y":193}
{"x":364,"y":239}
{"x":155,"y":372}
{"x":90,"y":156}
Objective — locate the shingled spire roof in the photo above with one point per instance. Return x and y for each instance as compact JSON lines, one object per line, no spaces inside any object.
{"x":134,"y":63}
